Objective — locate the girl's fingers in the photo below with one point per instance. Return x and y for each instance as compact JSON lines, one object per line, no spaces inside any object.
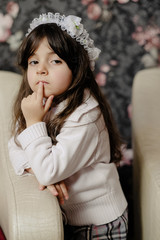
{"x":40,"y":92}
{"x":60,"y":194}
{"x":48,"y":103}
{"x":53,"y":190}
{"x":59,"y":190}
{"x":64,"y":190}
{"x":41,"y":187}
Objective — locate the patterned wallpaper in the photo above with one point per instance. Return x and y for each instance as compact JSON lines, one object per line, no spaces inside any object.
{"x":127,"y":31}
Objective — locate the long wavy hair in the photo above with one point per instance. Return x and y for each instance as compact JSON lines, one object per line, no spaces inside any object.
{"x":77,"y":60}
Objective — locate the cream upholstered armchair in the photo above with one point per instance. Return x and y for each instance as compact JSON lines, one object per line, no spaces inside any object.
{"x":25,"y":212}
{"x":146,"y":146}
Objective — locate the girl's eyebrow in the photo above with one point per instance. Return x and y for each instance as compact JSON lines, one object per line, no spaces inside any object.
{"x":51,"y":53}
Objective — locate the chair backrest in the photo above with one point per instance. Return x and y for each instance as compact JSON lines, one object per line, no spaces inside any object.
{"x":146,"y":107}
{"x":25,"y":212}
{"x":146,"y":146}
{"x":9,"y":85}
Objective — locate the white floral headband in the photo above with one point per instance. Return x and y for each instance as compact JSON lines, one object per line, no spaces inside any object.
{"x":74,"y":28}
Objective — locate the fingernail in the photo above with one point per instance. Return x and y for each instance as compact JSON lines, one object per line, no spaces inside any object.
{"x":41,"y":187}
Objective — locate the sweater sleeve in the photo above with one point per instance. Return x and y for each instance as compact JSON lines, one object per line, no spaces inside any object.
{"x":17,"y":157}
{"x":74,"y":150}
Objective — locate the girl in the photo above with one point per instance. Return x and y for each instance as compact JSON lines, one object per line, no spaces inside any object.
{"x":63,"y":128}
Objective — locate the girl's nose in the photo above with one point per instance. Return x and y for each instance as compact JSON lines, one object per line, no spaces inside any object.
{"x":42,"y":70}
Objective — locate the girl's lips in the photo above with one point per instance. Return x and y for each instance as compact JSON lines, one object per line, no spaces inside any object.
{"x":44,"y":82}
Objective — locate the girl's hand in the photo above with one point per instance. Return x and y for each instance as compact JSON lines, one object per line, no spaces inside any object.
{"x":59,"y":190}
{"x":33,"y":108}
{"x":29,"y":170}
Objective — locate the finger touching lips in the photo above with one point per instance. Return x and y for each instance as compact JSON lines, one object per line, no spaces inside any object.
{"x":40,"y":91}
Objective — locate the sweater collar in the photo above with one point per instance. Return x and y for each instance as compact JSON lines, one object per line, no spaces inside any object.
{"x":88,"y":104}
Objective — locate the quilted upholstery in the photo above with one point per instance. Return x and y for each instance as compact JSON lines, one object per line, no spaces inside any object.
{"x":146,"y":145}
{"x":25,"y":212}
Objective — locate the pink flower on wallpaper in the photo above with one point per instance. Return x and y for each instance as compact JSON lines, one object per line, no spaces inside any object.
{"x":127,"y":156}
{"x":106,"y":2}
{"x":12,"y":9}
{"x":6,"y":22}
{"x":94,"y":11}
{"x":101,"y":79}
{"x":86,"y":2}
{"x":122,"y":1}
{"x":148,"y":38}
{"x":14,"y":40}
{"x":105,"y":68}
{"x":129,"y":110}
{"x":113,"y":62}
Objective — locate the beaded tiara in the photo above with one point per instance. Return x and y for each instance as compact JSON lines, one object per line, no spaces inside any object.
{"x":71,"y":24}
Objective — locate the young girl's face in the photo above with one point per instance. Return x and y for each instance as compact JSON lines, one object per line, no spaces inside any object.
{"x":47,"y":67}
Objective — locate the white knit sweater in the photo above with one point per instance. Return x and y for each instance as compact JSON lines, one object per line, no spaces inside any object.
{"x":81,"y":157}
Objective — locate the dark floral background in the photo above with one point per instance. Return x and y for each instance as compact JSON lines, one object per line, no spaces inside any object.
{"x":127,"y":32}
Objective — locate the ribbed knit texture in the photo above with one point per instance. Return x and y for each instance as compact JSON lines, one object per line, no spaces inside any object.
{"x":97,"y":211}
{"x":30,"y":134}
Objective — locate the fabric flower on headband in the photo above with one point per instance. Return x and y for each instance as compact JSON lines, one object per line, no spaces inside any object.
{"x":72,"y":25}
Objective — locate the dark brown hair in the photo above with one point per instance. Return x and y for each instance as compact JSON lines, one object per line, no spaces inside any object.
{"x":77,"y":60}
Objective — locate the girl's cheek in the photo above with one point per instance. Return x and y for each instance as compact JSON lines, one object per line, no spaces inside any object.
{"x":30,"y":79}
{"x":29,"y":75}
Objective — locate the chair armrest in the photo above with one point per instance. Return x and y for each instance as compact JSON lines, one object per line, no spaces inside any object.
{"x":146,"y":146}
{"x":25,"y":211}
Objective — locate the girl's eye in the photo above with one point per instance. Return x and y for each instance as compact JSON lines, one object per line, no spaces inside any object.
{"x":33,"y":62}
{"x":56,"y":61}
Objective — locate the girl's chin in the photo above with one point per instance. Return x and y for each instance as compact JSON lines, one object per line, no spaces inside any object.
{"x":47,"y":96}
